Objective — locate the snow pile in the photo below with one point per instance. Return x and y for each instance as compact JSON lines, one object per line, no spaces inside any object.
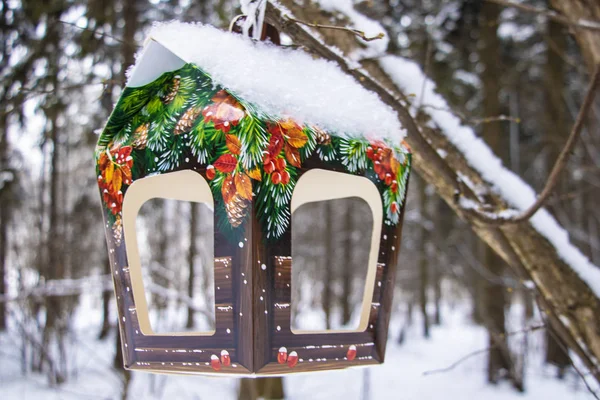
{"x":409,"y":77}
{"x":282,"y":82}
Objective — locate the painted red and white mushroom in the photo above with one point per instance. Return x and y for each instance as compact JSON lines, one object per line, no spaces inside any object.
{"x":225,"y":359}
{"x":351,"y":354}
{"x":282,"y":355}
{"x":215,"y":363}
{"x":292,"y":359}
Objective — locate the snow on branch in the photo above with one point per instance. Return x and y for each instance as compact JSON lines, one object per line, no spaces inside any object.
{"x":502,"y":218}
{"x":408,"y":76}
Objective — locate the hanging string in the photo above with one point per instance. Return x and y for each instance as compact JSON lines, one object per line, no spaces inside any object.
{"x":254,"y":10}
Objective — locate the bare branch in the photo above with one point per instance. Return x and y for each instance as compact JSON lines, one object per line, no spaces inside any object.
{"x":553,"y":15}
{"x":480,"y":351}
{"x":577,"y":370}
{"x":474,"y":121}
{"x":487,"y":217}
{"x":356,"y":32}
{"x":94,"y":32}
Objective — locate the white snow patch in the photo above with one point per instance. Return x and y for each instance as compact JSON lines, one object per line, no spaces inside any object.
{"x":282,"y":82}
{"x":408,"y":76}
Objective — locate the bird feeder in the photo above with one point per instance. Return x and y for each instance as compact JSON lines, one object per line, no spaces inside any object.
{"x":178,"y":132}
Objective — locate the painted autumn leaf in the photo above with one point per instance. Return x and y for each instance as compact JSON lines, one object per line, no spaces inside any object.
{"x":233,"y":144}
{"x":243,"y":186}
{"x":225,"y":111}
{"x":275,"y":144}
{"x":103,"y":161}
{"x":226,"y":163}
{"x":228,"y":189}
{"x":108,"y":172}
{"x":117,"y":180}
{"x":292,"y":155}
{"x":255,"y":174}
{"x":294,"y":134}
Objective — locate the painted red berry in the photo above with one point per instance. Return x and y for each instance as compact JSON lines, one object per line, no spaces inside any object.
{"x":280,"y":165}
{"x":394,"y":208}
{"x":292,"y":359}
{"x":282,"y":355}
{"x":285,"y":177}
{"x":270,"y":167}
{"x":394,"y":186}
{"x":276,"y":178}
{"x":351,"y":354}
{"x":370,"y":152}
{"x":266,"y":159}
{"x":388,"y":179}
{"x":377,"y":167}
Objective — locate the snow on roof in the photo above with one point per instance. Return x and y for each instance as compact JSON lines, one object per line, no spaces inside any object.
{"x":409,"y":77}
{"x":281,"y":81}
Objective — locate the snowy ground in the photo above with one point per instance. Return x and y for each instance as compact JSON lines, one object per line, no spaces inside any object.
{"x":401,"y":377}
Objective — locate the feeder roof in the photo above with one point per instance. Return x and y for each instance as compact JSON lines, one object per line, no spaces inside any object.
{"x":280,"y":81}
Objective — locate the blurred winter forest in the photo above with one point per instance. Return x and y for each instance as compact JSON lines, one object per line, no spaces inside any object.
{"x":464,"y":324}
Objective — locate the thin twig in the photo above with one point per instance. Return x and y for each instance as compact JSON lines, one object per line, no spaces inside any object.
{"x":480,"y":351}
{"x":357,"y":32}
{"x":95,"y":32}
{"x":553,"y":15}
{"x":474,"y":121}
{"x":492,"y":218}
{"x":565,"y":349}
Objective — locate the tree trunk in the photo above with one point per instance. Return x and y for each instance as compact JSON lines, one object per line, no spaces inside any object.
{"x":569,"y":302}
{"x":329,"y":262}
{"x":423,"y":258}
{"x":261,"y":388}
{"x":499,"y":359}
{"x":5,"y":212}
{"x":106,"y":296}
{"x":556,"y":130}
{"x":347,"y":267}
{"x":589,"y":40}
{"x":191,"y":257}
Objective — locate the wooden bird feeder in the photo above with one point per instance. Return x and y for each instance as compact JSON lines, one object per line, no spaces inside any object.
{"x":176,"y":133}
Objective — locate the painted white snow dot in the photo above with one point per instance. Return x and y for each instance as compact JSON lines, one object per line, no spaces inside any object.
{"x":228,"y":330}
{"x":261,"y":298}
{"x":278,"y":327}
{"x":263,"y":267}
{"x":241,"y":244}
